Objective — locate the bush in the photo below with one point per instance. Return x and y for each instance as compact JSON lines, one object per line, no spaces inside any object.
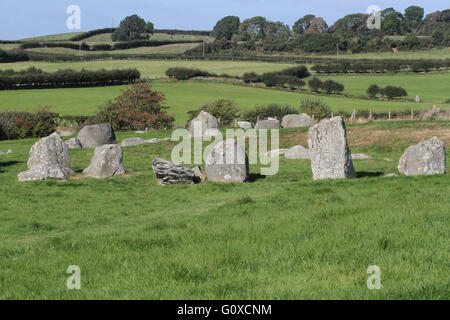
{"x":138,"y":108}
{"x":251,"y":77}
{"x":315,"y":84}
{"x":299,"y":72}
{"x":20,"y":125}
{"x":391,"y":92}
{"x":272,"y":110}
{"x":289,"y":81}
{"x":185,"y":73}
{"x":331,"y":86}
{"x":270,"y":79}
{"x":222,"y":109}
{"x":373,"y":90}
{"x":315,"y":107}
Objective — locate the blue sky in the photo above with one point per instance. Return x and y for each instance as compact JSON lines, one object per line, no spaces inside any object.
{"x":25,"y":18}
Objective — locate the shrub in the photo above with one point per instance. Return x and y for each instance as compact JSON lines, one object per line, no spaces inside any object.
{"x":185,"y":73}
{"x":315,"y":107}
{"x":138,"y":108}
{"x":222,"y":109}
{"x":270,"y":79}
{"x":251,"y":77}
{"x":20,"y":125}
{"x":315,"y":84}
{"x":271,"y":110}
{"x":290,"y":81}
{"x":392,"y":92}
{"x":331,"y":86}
{"x":299,"y":72}
{"x":373,"y":90}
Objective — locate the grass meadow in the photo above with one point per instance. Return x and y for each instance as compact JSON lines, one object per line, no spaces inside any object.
{"x":280,"y":237}
{"x":183,"y":96}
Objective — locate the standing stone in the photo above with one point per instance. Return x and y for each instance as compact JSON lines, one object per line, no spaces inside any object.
{"x":97,"y":135}
{"x":267,"y":124}
{"x":244,"y":124}
{"x":426,"y":157}
{"x":329,"y":151}
{"x":168,"y":173}
{"x":297,"y":121}
{"x":227,"y":162}
{"x":297,"y":152}
{"x":49,"y":158}
{"x":74,"y":143}
{"x":418,"y":99}
{"x":204,"y":124}
{"x":131,"y":142}
{"x":106,"y":162}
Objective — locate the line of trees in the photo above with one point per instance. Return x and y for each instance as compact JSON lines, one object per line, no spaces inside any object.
{"x":36,"y":78}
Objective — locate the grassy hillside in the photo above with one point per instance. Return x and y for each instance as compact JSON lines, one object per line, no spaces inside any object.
{"x":282,"y":237}
{"x":182,"y":97}
{"x":106,"y":38}
{"x":410,"y":54}
{"x":54,"y":37}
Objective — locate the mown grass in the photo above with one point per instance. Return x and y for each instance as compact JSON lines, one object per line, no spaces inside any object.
{"x":182,"y":97}
{"x":282,"y":237}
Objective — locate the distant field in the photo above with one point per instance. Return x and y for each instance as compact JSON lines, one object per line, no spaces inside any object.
{"x":61,"y":36}
{"x":106,"y":38}
{"x":154,"y":68}
{"x":181,"y":97}
{"x":431,"y":87}
{"x":420,"y":54}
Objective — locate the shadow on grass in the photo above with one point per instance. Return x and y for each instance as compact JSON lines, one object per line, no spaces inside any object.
{"x":254,"y":177}
{"x":363,"y":174}
{"x":7,"y":164}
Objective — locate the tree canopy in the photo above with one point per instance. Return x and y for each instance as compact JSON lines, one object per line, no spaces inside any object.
{"x":227,"y":27}
{"x":132,"y":28}
{"x":302,"y":24}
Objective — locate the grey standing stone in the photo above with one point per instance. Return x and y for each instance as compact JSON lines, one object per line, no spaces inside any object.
{"x":49,"y":158}
{"x":267,"y":124}
{"x":106,"y":162}
{"x":227,"y":162}
{"x":168,"y":173}
{"x":244,"y":124}
{"x":297,"y":152}
{"x":329,"y":151}
{"x":426,"y":157}
{"x":297,"y":121}
{"x":93,"y":136}
{"x":204,"y":124}
{"x":131,"y":142}
{"x":74,"y":143}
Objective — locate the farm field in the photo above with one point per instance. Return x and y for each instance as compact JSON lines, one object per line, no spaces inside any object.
{"x":106,"y":38}
{"x":154,"y":69}
{"x":410,"y":54}
{"x":182,"y":97}
{"x":431,"y":87}
{"x":282,"y":237}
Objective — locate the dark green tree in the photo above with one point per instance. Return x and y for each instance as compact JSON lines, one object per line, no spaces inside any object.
{"x":391,"y":21}
{"x":414,"y":14}
{"x":227,"y":27}
{"x":149,"y":27}
{"x":302,"y":24}
{"x":278,"y":30}
{"x":373,"y":90}
{"x":254,"y":29}
{"x":352,"y":24}
{"x":131,"y":28}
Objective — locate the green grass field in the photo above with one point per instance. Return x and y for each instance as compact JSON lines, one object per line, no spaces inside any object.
{"x":106,"y":38}
{"x":182,"y":97}
{"x":431,"y":87}
{"x":154,"y":68}
{"x":413,"y":54}
{"x":282,"y":237}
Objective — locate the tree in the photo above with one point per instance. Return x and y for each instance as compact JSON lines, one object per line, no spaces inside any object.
{"x":315,"y":84}
{"x":392,"y":92}
{"x":331,"y":86}
{"x":149,"y":27}
{"x":302,"y":24}
{"x":227,"y":27}
{"x":131,"y":28}
{"x":318,"y":25}
{"x":391,"y":21}
{"x":254,"y":29}
{"x":373,"y":90}
{"x":414,"y":14}
{"x":278,"y":30}
{"x":138,"y":108}
{"x":352,"y":24}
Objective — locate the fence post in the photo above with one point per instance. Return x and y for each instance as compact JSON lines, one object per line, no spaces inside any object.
{"x":332,"y":114}
{"x":389,"y":115}
{"x":370,"y":114}
{"x":412,"y":114}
